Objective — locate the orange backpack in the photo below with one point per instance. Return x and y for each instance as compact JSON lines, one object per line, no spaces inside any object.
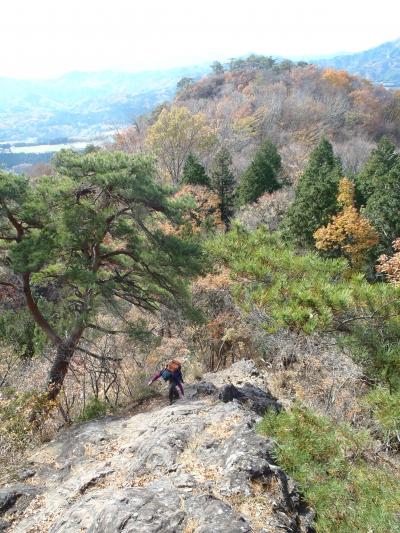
{"x":174,"y":365}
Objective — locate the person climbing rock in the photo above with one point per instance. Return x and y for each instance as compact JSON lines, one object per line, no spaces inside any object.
{"x":172,"y":373}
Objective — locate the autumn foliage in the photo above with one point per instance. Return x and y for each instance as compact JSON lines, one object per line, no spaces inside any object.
{"x":204,"y":214}
{"x":390,"y":266}
{"x":349,"y":233}
{"x":176,"y":133}
{"x":338,"y":78}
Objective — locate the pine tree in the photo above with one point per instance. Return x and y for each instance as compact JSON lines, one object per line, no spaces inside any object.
{"x":88,"y":242}
{"x":223,"y":182}
{"x":261,"y":175}
{"x":383,"y":158}
{"x":194,"y":173}
{"x":315,"y":200}
{"x":217,"y":68}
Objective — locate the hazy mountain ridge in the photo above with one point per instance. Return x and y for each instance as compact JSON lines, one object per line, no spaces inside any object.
{"x":380,"y":64}
{"x":82,"y":104}
{"x":89,"y":105}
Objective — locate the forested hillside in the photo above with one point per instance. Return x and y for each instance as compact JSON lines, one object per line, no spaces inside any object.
{"x":253,"y":217}
{"x":380,"y":64}
{"x":291,"y":105}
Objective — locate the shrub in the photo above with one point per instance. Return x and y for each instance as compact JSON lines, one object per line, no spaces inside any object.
{"x":94,"y":408}
{"x":327,"y":462}
{"x":269,"y":210}
{"x":375,"y":344}
{"x":304,"y":292}
{"x":139,"y":389}
{"x":390,"y":266}
{"x":385,"y":409}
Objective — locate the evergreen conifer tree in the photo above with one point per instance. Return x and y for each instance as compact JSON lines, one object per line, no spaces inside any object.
{"x":223,"y":182}
{"x":261,"y":175}
{"x":383,"y":158}
{"x":383,"y":207}
{"x":194,"y":173}
{"x":315,"y":200}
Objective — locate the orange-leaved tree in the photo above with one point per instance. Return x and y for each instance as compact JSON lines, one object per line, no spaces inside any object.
{"x":348,"y":233}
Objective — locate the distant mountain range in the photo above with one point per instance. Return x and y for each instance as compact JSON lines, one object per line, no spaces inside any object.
{"x":380,"y":64}
{"x":89,"y":105}
{"x":82,"y":104}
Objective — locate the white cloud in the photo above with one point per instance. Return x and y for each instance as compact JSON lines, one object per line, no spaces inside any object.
{"x":48,"y":37}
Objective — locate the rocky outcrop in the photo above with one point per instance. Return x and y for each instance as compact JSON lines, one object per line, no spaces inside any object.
{"x":198,"y":466}
{"x":14,"y":499}
{"x":256,"y":399}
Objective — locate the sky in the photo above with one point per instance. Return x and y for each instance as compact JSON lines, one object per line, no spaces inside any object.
{"x":46,"y":38}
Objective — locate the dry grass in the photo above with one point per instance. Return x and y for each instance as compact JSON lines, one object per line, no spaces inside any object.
{"x":191,"y":525}
{"x":317,"y":372}
{"x":320,"y":388}
{"x":191,"y":464}
{"x":259,"y":507}
{"x":223,"y":430}
{"x":189,"y":458}
{"x":221,"y":279}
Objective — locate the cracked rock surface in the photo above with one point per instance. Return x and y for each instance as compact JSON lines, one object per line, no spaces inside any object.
{"x":198,"y":466}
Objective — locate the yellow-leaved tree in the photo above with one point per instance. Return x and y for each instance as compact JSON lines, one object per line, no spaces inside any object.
{"x":175,"y":135}
{"x":349,"y":233}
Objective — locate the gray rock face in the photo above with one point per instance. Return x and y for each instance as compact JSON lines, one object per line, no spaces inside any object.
{"x":149,"y":510}
{"x":197,"y":466}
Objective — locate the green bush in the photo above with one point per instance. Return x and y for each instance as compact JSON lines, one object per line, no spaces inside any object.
{"x":300,"y":291}
{"x":94,"y":408}
{"x":385,"y":409}
{"x":326,"y":460}
{"x":375,"y":344}
{"x":308,"y":293}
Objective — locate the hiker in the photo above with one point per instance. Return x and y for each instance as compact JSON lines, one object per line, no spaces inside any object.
{"x":173,"y":374}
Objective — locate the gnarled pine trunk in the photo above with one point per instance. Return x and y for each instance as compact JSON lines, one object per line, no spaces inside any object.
{"x":59,"y":369}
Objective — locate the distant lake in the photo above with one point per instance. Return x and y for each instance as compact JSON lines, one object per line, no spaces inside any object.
{"x":45,"y":148}
{"x":16,"y":155}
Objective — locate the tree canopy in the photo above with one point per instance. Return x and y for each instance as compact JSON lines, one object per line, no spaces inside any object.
{"x":383,"y":207}
{"x":175,"y":134}
{"x":223,"y":182}
{"x":194,"y":173}
{"x":315,"y":200}
{"x":261,"y":175}
{"x":382,"y":159}
{"x":87,"y":240}
{"x":348,"y":233}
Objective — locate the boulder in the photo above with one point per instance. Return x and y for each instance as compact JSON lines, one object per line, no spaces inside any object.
{"x":15,"y":498}
{"x":258,"y":400}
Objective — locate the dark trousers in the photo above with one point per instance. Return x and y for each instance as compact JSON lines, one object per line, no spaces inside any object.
{"x":173,"y":392}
